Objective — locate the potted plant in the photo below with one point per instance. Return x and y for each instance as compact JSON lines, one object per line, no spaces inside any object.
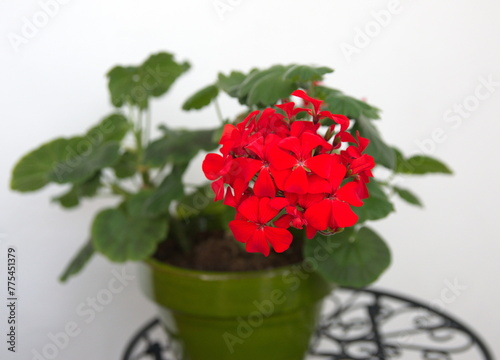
{"x":286,"y":169}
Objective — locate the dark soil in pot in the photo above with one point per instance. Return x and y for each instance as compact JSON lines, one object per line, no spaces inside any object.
{"x":219,"y":252}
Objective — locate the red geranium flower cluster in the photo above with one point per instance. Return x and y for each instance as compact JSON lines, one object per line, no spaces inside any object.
{"x":279,"y":172}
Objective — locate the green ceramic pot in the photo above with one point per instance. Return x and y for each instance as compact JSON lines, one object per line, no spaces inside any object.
{"x":263,"y":315}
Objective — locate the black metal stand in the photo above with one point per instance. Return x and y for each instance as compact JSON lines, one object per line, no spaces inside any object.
{"x":359,"y":325}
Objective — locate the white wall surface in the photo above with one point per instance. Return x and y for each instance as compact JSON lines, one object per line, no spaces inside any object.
{"x":427,"y":59}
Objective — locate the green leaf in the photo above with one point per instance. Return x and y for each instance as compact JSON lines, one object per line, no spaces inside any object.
{"x":126,"y":165}
{"x":265,"y":87}
{"x":201,"y":98}
{"x":69,"y":199}
{"x":170,"y":189}
{"x":376,"y":207}
{"x":136,"y":205}
{"x":339,"y":103}
{"x":135,"y":85}
{"x":230,"y":84}
{"x":82,"y":160}
{"x":89,"y":187}
{"x":408,"y":196}
{"x":381,"y":152}
{"x":121,"y":237}
{"x":124,"y":86}
{"x":160,"y":71}
{"x":112,"y":128}
{"x":421,"y":165}
{"x":72,"y":197}
{"x":33,"y":169}
{"x":305,"y":73}
{"x":356,"y":258}
{"x":179,"y":146}
{"x":71,"y":160}
{"x":78,"y":262}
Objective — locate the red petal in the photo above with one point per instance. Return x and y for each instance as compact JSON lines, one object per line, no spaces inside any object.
{"x":242,"y":230}
{"x":249,"y":208}
{"x":346,"y":137}
{"x":362,"y":190}
{"x":257,"y":147}
{"x":363,"y":142}
{"x":266,"y":212}
{"x":350,"y":194}
{"x":343,"y":214}
{"x":280,"y":159}
{"x":310,"y":141}
{"x":280,"y":239}
{"x":353,"y":151}
{"x":258,"y":243}
{"x":287,"y":108}
{"x":264,"y":185}
{"x":218,"y":189}
{"x":318,"y":215}
{"x":283,"y":222}
{"x":212,"y":165}
{"x":337,"y":174}
{"x":246,"y":168}
{"x":310,"y":231}
{"x":291,"y":144}
{"x":309,"y":200}
{"x":229,"y":199}
{"x":297,"y":181}
{"x":228,"y":133}
{"x":299,"y":127}
{"x":280,"y":177}
{"x":342,"y":120}
{"x":292,"y":198}
{"x":322,"y":164}
{"x":301,"y":94}
{"x":278,"y":203}
{"x":318,"y":185}
{"x":363,"y":163}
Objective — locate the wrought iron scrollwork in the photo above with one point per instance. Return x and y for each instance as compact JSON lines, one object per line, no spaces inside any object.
{"x":375,"y":325}
{"x":359,"y":325}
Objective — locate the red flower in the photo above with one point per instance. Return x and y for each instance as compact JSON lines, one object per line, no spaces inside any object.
{"x":279,"y":173}
{"x":271,"y":122}
{"x":359,"y":165}
{"x":264,"y":183}
{"x":290,"y":110}
{"x":296,"y":204}
{"x":293,"y":160}
{"x":309,"y":100}
{"x":333,"y":211}
{"x":252,"y":227}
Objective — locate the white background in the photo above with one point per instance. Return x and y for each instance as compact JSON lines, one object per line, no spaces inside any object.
{"x":429,"y":57}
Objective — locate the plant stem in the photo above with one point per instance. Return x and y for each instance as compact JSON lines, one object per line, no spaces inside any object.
{"x":147,"y":127}
{"x":218,"y":111}
{"x":138,"y":135}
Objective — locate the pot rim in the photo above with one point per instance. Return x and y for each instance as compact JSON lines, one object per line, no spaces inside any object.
{"x":218,"y":275}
